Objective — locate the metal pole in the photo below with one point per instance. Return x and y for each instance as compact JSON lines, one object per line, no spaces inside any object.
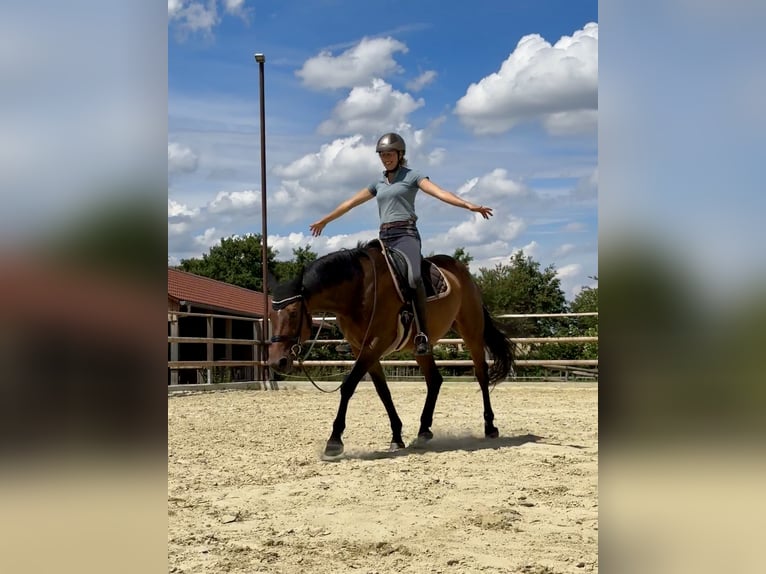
{"x":261,"y":59}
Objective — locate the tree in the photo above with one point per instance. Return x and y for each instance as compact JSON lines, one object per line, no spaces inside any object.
{"x":586,"y":301}
{"x":522,"y":287}
{"x":463,"y":256}
{"x":302,"y":256}
{"x":236,"y":260}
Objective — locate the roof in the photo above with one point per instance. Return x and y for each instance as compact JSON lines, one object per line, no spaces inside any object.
{"x":203,"y":291}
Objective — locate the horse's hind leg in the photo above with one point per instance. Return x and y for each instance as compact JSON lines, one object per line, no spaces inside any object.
{"x":381,"y":386}
{"x":482,"y":375}
{"x":433,"y":384}
{"x":471,"y":331}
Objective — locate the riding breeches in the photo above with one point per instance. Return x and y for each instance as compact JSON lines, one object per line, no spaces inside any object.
{"x":406,"y":239}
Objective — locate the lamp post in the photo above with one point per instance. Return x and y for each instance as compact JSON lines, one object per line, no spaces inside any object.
{"x":261,"y":59}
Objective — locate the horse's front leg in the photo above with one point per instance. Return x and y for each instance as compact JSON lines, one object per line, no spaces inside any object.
{"x":433,"y":384}
{"x":334,"y":447}
{"x":381,"y":386}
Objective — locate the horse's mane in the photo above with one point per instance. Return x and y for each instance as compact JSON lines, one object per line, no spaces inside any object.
{"x":333,"y":269}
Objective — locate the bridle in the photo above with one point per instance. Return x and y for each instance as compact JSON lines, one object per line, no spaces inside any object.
{"x":295,"y":340}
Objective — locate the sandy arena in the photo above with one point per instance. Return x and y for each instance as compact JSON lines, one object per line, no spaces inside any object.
{"x":248,"y":492}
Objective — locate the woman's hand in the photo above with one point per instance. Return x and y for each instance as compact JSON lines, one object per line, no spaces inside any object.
{"x":317,"y":227}
{"x":486,"y":212}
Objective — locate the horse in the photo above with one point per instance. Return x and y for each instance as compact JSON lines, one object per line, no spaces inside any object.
{"x":357,"y":286}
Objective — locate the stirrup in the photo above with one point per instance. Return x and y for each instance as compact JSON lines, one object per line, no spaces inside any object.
{"x":421,"y":344}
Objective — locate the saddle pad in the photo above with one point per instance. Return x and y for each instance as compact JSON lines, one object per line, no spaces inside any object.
{"x":434,"y":281}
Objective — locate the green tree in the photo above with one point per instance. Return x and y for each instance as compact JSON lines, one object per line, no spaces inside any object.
{"x":302,"y":256}
{"x":521,"y":287}
{"x":236,"y":260}
{"x":463,"y":256}
{"x":586,"y":301}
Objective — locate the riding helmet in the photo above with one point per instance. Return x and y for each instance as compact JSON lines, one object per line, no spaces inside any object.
{"x":391,"y":142}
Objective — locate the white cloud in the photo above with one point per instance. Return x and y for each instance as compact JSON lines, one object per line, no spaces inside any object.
{"x":371,"y":109}
{"x":207,"y":239}
{"x":234,"y":6}
{"x":178,"y":229}
{"x":537,"y":81}
{"x":174,"y":8}
{"x":181,"y":159}
{"x":571,"y":123}
{"x":236,"y":202}
{"x":370,"y":58}
{"x":436,"y":156}
{"x":176,"y":209}
{"x":531,"y":249}
{"x":319,"y":181}
{"x":202,"y":17}
{"x":193,"y":16}
{"x":571,"y":279}
{"x":422,"y":81}
{"x":564,"y":250}
{"x":477,"y":231}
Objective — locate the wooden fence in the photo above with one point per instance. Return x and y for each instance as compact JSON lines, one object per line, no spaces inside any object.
{"x":254,"y":368}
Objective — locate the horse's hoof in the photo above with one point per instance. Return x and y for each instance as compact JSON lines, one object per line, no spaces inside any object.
{"x":395,"y":446}
{"x":332,"y":451}
{"x":491,"y":433}
{"x":423,"y":439}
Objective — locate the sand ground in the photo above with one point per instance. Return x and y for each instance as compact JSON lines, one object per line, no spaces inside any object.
{"x":248,"y":492}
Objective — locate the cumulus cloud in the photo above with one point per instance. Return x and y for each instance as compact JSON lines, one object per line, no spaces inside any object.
{"x":436,"y":156}
{"x":371,"y":109}
{"x":201,"y":17}
{"x":207,"y":238}
{"x":174,"y":8}
{"x":235,"y":202}
{"x":477,"y":231}
{"x":570,"y":278}
{"x":555,"y":83}
{"x":176,"y":210}
{"x":323,"y":179}
{"x":494,"y":186}
{"x":422,"y":81}
{"x":181,"y":159}
{"x":370,"y":58}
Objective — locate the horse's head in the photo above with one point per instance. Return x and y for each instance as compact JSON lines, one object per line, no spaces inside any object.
{"x":291,"y":325}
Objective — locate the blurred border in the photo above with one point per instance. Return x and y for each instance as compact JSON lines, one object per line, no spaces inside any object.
{"x":83,"y":174}
{"x":683,"y":285}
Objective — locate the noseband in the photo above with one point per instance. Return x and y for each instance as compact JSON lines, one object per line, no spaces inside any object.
{"x":294,"y":340}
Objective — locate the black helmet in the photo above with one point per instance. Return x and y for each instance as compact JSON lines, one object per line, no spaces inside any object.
{"x":391,"y":142}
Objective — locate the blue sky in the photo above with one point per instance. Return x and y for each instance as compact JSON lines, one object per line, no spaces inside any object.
{"x":497,"y":104}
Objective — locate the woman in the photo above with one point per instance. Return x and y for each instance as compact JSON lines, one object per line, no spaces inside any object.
{"x":395,"y":192}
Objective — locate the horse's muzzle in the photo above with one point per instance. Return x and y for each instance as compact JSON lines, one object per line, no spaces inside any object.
{"x":280,"y":359}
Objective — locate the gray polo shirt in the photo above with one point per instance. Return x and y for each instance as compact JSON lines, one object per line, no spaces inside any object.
{"x":396,"y":200}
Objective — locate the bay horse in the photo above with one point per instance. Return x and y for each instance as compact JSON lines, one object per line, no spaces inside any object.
{"x":356,"y":285}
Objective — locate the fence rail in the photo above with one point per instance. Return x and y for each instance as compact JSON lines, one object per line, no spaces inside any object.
{"x":259,"y":361}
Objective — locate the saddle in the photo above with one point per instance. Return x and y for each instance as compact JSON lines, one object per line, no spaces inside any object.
{"x":434,"y":281}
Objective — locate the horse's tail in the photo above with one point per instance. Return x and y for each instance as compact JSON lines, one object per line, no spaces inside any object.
{"x":499,"y":346}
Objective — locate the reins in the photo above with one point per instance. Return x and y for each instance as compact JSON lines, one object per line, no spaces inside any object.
{"x":296,"y":349}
